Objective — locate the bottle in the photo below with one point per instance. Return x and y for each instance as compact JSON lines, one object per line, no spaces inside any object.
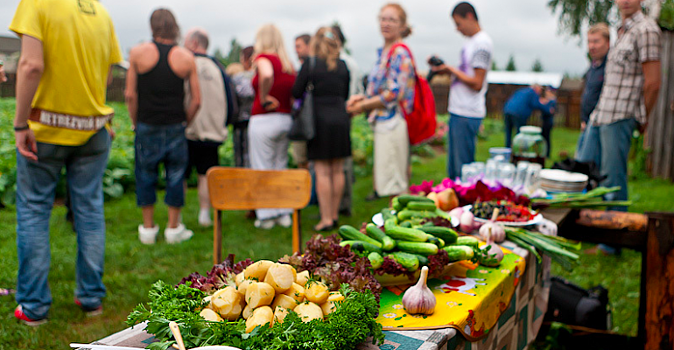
{"x":529,"y":145}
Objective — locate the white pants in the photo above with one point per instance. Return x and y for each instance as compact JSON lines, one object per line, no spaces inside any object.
{"x":268,"y":149}
{"x":391,"y":157}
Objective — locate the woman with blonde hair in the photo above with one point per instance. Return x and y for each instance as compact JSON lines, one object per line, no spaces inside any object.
{"x":390,"y":90}
{"x":270,"y":119}
{"x":332,"y":143}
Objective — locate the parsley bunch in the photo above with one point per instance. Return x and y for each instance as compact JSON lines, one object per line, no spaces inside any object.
{"x":352,"y":322}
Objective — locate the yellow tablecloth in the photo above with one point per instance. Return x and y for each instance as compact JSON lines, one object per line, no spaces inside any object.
{"x":470,"y":298}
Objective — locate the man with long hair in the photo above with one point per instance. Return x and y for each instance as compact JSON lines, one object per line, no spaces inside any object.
{"x":155,"y":95}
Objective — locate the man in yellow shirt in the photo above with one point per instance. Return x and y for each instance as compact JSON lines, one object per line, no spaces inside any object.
{"x":68,"y":48}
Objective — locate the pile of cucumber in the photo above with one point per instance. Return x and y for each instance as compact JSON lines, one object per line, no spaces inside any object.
{"x":404,"y":239}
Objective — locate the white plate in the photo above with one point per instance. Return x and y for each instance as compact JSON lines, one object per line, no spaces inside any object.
{"x":536,"y":220}
{"x":561,"y":176}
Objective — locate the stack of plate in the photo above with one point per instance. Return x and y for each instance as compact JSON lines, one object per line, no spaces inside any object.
{"x":553,"y":180}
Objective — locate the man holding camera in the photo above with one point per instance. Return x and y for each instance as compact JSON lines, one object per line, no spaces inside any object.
{"x":467,"y":102}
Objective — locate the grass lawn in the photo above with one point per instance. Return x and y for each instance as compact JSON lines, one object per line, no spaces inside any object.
{"x":132,"y":267}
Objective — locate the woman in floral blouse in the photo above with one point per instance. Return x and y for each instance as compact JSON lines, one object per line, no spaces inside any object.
{"x":390,"y":89}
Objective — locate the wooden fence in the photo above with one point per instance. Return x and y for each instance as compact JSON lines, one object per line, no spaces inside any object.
{"x":660,"y":132}
{"x":568,"y":104}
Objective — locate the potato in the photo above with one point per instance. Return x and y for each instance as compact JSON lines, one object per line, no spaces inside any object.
{"x":216,"y":300}
{"x":260,"y":317}
{"x":239,"y":278}
{"x":280,"y":314}
{"x":247,"y":312}
{"x":257,"y":270}
{"x":329,"y":306}
{"x":317,"y":292}
{"x":284,"y":301}
{"x":280,"y":277}
{"x":302,"y":278}
{"x":244,"y":285}
{"x":228,"y":303}
{"x":210,"y":315}
{"x":308,"y":311}
{"x":296,"y":292}
{"x":259,"y":294}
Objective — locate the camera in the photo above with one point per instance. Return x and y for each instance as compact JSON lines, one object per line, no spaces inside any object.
{"x":435,"y":61}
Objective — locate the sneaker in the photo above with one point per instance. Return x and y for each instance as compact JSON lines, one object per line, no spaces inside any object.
{"x":148,"y":235}
{"x":205,"y":218}
{"x":284,"y":220}
{"x":372,"y":197}
{"x":267,"y":224}
{"x":18,"y":313}
{"x":177,"y":235}
{"x":90,"y":312}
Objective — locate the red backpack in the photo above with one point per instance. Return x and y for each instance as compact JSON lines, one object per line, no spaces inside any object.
{"x":421,"y":122}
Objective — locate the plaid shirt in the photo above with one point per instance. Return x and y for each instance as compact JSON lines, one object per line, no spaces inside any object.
{"x":622,"y":95}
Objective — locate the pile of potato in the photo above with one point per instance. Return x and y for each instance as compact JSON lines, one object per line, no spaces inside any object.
{"x":266,"y":292}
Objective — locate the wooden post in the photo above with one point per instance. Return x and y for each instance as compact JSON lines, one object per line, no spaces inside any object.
{"x":217,"y":237}
{"x":297,"y":232}
{"x":658,"y":272}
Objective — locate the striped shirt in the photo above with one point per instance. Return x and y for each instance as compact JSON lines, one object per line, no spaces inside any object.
{"x":622,"y":95}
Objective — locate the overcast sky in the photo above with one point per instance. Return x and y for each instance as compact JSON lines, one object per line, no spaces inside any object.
{"x":525,"y":28}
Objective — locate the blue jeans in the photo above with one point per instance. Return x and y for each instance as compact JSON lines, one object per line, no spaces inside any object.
{"x":461,"y":142}
{"x":160,"y":144}
{"x":35,"y":191}
{"x":511,"y":121}
{"x":609,"y":146}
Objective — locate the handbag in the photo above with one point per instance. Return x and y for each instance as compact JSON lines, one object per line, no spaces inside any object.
{"x":303,"y":128}
{"x":575,"y":306}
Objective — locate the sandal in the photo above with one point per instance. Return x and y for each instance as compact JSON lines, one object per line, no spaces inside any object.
{"x":324,"y":228}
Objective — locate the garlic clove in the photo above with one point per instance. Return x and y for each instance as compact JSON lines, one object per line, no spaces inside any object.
{"x":419,"y":299}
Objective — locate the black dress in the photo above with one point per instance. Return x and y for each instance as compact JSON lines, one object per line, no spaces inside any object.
{"x":332,"y":123}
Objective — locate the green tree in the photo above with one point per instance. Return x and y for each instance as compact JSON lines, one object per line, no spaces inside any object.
{"x":219,"y":56}
{"x":234,"y":51}
{"x":537,"y":66}
{"x":575,"y":14}
{"x":511,"y":67}
{"x":493,"y":65}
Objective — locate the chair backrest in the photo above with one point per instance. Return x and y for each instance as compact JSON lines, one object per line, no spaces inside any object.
{"x":247,"y":189}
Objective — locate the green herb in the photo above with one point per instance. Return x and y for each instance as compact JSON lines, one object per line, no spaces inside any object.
{"x":591,"y":199}
{"x":352,"y":322}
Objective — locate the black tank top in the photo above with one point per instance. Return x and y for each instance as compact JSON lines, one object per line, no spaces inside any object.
{"x":161,"y":93}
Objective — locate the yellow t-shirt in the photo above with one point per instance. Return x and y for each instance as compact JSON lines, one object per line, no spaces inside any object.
{"x":79,"y":45}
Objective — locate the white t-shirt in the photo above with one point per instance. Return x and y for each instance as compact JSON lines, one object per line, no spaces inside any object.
{"x":356,"y":83}
{"x":464,"y":101}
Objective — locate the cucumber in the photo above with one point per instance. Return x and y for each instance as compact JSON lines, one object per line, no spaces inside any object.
{"x":435,"y":240}
{"x":406,"y":234}
{"x":390,"y":223}
{"x":387,"y":243}
{"x":395,"y":203}
{"x":423,"y":261}
{"x":406,"y":198}
{"x":406,"y":260}
{"x":447,"y":234}
{"x":407,"y":214}
{"x":406,"y":224}
{"x":350,"y":233}
{"x":459,"y":252}
{"x":467,"y":240}
{"x":421,"y":206}
{"x":376,"y":260}
{"x":418,"y":248}
{"x":386,"y":214}
{"x":360,"y":246}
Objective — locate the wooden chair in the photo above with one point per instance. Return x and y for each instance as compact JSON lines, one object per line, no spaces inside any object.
{"x":247,"y":189}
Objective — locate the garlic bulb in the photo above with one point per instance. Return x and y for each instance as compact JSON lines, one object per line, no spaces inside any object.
{"x":496,"y":230}
{"x":419,"y":299}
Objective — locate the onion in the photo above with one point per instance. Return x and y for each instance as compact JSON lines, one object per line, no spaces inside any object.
{"x":467,"y":222}
{"x":456,"y":213}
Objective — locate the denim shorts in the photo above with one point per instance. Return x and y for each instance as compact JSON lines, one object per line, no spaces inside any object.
{"x":160,"y":144}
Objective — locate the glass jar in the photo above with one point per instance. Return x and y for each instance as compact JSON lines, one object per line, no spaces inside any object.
{"x":529,"y":145}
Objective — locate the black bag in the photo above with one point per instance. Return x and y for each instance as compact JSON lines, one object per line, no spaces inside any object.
{"x":572,"y":305}
{"x":303,"y":128}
